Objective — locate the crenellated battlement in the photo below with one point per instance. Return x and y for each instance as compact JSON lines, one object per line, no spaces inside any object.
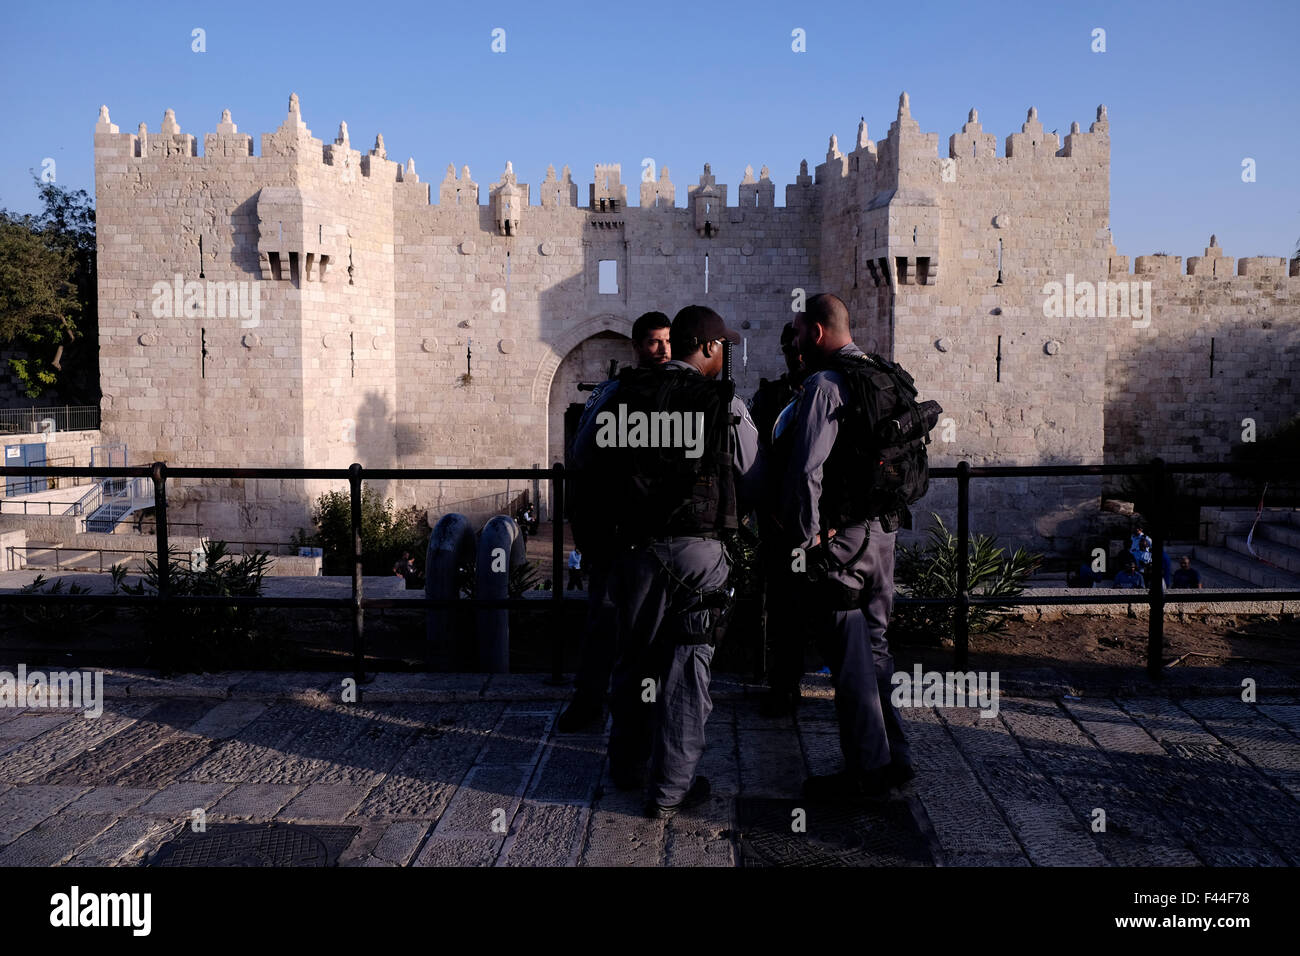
{"x":1211,"y":264}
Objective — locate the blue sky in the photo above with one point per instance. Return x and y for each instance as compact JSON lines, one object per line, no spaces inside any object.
{"x":1192,"y":89}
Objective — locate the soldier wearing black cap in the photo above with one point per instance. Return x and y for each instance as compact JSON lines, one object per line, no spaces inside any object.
{"x":650,"y":342}
{"x":678,"y":486}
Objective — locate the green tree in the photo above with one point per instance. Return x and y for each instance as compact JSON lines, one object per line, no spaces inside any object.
{"x":48,"y":294}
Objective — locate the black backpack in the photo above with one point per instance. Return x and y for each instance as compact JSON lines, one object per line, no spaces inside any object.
{"x":659,"y":490}
{"x":881,"y":466}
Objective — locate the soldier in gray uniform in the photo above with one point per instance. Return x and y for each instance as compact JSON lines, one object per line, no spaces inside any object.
{"x":670,"y":567}
{"x":857,"y":556}
{"x":651,"y":344}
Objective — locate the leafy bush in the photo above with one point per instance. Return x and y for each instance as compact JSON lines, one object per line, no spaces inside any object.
{"x":53,"y":620}
{"x":385,"y":533}
{"x":208,"y":637}
{"x":930,"y":570}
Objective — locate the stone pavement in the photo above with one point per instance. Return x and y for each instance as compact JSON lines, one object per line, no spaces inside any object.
{"x":463,"y":769}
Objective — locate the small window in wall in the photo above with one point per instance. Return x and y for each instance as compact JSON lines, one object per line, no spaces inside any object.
{"x":608,"y":277}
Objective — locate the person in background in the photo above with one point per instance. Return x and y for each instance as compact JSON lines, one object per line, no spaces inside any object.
{"x":1186,"y":576}
{"x":575,"y":569}
{"x":1129,"y":577}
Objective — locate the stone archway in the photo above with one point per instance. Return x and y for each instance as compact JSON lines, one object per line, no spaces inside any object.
{"x":588,"y":361}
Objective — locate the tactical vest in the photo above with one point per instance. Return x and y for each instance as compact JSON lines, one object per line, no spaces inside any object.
{"x":660,"y":491}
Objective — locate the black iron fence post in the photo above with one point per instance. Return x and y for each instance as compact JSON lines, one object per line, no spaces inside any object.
{"x":962,"y":623}
{"x":160,"y":527}
{"x":1156,"y":623}
{"x":358,"y":612}
{"x":557,"y":573}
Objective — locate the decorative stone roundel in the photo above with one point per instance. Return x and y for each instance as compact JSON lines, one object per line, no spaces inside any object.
{"x":379,"y":342}
{"x":468,"y":247}
{"x":1000,"y":221}
{"x":943,"y":345}
{"x":506,"y":346}
{"x":546,"y":248}
{"x":252,"y":340}
{"x":666,"y":248}
{"x":430,"y":344}
{"x":746,"y":250}
{"x":1052,"y":347}
{"x":147,"y":338}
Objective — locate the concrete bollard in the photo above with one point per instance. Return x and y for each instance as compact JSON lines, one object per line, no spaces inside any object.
{"x":500,"y":550}
{"x":451,"y":547}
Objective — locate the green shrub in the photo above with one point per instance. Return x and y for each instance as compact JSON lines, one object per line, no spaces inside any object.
{"x":930,"y":570}
{"x":207,"y":637}
{"x":385,"y":533}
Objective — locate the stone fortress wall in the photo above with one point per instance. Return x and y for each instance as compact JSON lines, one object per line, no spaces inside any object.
{"x":398,"y":328}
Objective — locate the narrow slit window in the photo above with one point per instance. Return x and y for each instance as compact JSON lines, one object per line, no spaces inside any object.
{"x":706,"y":273}
{"x":608,"y":276}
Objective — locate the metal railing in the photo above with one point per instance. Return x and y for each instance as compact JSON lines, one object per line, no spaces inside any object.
{"x":63,"y":549}
{"x":59,"y":418}
{"x":358,"y":603}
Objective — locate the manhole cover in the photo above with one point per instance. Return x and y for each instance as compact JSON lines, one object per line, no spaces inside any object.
{"x":255,"y":844}
{"x":881,"y":833}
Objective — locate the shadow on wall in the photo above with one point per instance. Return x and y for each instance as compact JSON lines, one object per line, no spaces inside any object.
{"x":1196,"y":395}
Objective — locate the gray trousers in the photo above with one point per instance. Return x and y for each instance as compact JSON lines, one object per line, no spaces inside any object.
{"x":663,"y":648}
{"x":857,"y":652}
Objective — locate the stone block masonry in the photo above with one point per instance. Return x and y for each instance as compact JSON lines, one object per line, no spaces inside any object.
{"x":311,"y":305}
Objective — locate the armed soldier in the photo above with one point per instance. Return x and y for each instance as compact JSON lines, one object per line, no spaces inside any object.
{"x":672,"y":491}
{"x":651,"y":344}
{"x":850,"y":448}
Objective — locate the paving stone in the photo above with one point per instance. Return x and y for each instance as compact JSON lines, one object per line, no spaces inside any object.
{"x":371,"y":753}
{"x":36,"y":759}
{"x":55,"y":839}
{"x":516,"y":740}
{"x":771,"y":763}
{"x":99,"y":764}
{"x":620,"y":835}
{"x":178,"y":800}
{"x":125,"y":843}
{"x":307,"y":687}
{"x":459,"y":851}
{"x":400,"y":841}
{"x":822,"y":753}
{"x":567,"y":774}
{"x":426,"y":774}
{"x":702,"y":836}
{"x":28,"y":725}
{"x":254,"y":801}
{"x":422,"y":688}
{"x":322,"y":802}
{"x":488,"y":798}
{"x":545,"y":834}
{"x":166,"y":763}
{"x":985,"y":859}
{"x":314,"y":749}
{"x":111,"y":799}
{"x":1288,"y":715}
{"x":524,"y":687}
{"x":21,"y":808}
{"x":228,"y":718}
{"x":978,"y":736}
{"x":962,"y":814}
{"x":1051,"y":835}
{"x":259,"y":745}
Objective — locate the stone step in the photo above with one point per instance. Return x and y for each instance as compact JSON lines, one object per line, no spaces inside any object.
{"x":1282,"y":532}
{"x":1288,"y":559}
{"x":1245,"y":568}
